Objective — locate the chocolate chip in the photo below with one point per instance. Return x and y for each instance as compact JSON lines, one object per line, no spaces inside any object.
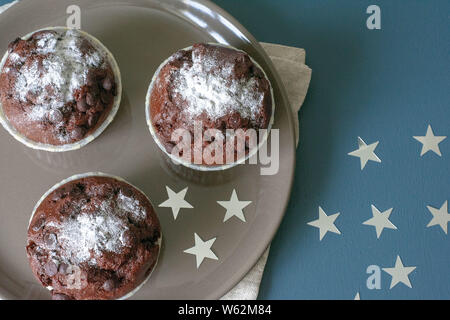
{"x":65,"y":209}
{"x":99,"y":107}
{"x":55,"y":116}
{"x":94,"y":89}
{"x":50,"y":240}
{"x":101,"y":73}
{"x":77,"y":133}
{"x":38,"y":224}
{"x":235,"y":120}
{"x":50,"y":268}
{"x":82,"y":105}
{"x":106,"y":97}
{"x":91,"y":79}
{"x":109,"y":285}
{"x":91,"y":99}
{"x":127,"y":238}
{"x":32,"y":97}
{"x":126,"y":191}
{"x":60,"y":296}
{"x":77,"y":190}
{"x":107,"y":83}
{"x":58,"y":195}
{"x":92,"y":120}
{"x":63,"y":268}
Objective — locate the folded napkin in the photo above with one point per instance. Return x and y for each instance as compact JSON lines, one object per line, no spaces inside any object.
{"x":295,"y":75}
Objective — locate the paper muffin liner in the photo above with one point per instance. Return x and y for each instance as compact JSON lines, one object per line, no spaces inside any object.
{"x":76,"y":145}
{"x":200,"y":167}
{"x":101,"y":174}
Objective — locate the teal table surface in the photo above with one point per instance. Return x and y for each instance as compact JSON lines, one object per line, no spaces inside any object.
{"x":383,"y":85}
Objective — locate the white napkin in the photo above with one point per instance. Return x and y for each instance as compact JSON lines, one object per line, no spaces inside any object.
{"x":295,"y":75}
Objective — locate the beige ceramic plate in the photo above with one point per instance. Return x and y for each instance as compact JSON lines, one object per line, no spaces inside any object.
{"x":141,"y":34}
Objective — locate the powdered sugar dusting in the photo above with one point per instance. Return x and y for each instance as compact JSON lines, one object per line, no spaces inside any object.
{"x":50,"y":83}
{"x":131,"y":205}
{"x":14,"y":57}
{"x":89,"y":235}
{"x":97,"y":228}
{"x":207,"y":88}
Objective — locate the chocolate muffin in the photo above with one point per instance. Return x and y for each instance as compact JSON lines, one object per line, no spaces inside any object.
{"x":93,"y":236}
{"x":58,"y":87}
{"x":214,"y":87}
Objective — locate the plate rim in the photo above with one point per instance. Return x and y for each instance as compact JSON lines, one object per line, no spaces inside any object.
{"x":247,"y":267}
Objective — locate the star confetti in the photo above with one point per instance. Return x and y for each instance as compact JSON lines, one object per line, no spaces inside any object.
{"x":325,"y":223}
{"x":234,"y":207}
{"x":440,"y":217}
{"x":176,"y":201}
{"x":399,"y":273}
{"x":430,"y":142}
{"x":365,"y":152}
{"x":202,"y":250}
{"x":380,"y":220}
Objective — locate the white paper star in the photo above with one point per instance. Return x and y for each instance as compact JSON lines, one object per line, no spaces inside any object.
{"x":357,"y":297}
{"x":176,"y":201}
{"x":325,"y":223}
{"x":440,"y":217}
{"x":365,"y":152}
{"x":430,"y":142}
{"x":399,"y":273}
{"x":234,"y":207}
{"x":202,"y":250}
{"x":380,"y":220}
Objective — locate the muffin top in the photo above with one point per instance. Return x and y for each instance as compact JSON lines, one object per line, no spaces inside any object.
{"x":93,"y":238}
{"x":56,"y":87}
{"x":218,"y":87}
